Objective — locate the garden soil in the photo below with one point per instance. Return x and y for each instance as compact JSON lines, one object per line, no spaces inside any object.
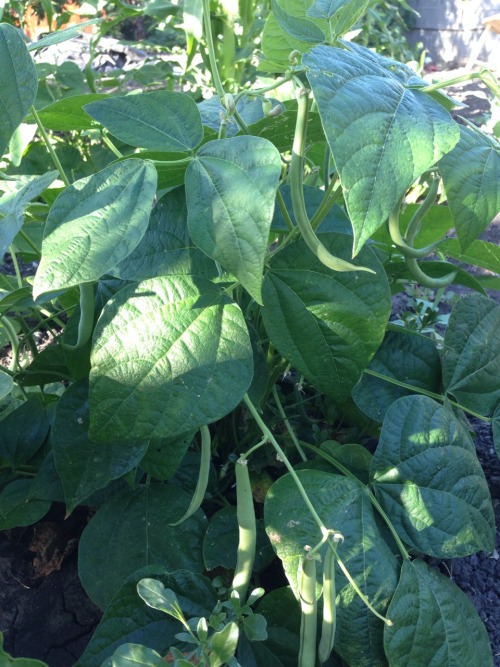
{"x":45,"y":613}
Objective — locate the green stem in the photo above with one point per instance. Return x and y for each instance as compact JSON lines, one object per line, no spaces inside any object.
{"x":288,"y":426}
{"x":297,"y":191}
{"x":330,"y":198}
{"x":26,"y":238}
{"x":284,"y":211}
{"x":347,"y":473}
{"x":111,"y":145}
{"x":49,"y":147}
{"x":270,"y":437}
{"x":424,"y":392}
{"x":211,"y":50}
{"x":16,"y":266}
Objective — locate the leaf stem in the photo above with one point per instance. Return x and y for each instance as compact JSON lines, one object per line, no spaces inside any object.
{"x":49,"y":147}
{"x":290,"y":430}
{"x":211,"y":50}
{"x":16,"y":266}
{"x":14,"y":343}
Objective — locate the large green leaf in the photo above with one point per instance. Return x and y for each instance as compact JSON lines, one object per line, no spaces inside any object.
{"x":429,"y":481}
{"x":15,"y":197}
{"x":277,"y":45}
{"x":164,"y":456}
{"x":160,"y":120}
{"x":23,"y":432}
{"x":132,"y":530}
{"x":95,"y":223}
{"x":382,"y":132}
{"x":169,"y":355}
{"x":166,"y":247}
{"x":471,"y":354}
{"x":128,"y":619}
{"x":342,"y":13}
{"x":16,"y":507}
{"x":479,"y":253}
{"x":67,"y":114}
{"x":298,"y":28}
{"x":135,"y":655}
{"x":434,"y":622}
{"x":231,"y":189}
{"x":409,"y":358}
{"x":471,"y":177}
{"x":342,"y":506}
{"x":328,"y":324}
{"x":85,"y":466}
{"x":18,"y":82}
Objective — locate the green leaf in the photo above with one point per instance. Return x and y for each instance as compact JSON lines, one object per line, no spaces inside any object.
{"x":62,"y":35}
{"x":380,"y":130}
{"x":428,"y":480}
{"x":479,"y":253}
{"x":343,"y":506}
{"x":249,"y":110}
{"x":164,"y":456}
{"x":6,"y":384}
{"x":94,"y":224}
{"x":85,"y":466}
{"x":406,"y":357}
{"x":128,"y":620}
{"x":342,"y":13}
{"x":230,"y":189}
{"x":160,"y":120}
{"x":166,"y":247}
{"x":471,"y":354}
{"x":280,"y":609}
{"x":15,"y":507}
{"x":170,"y":354}
{"x":471,"y":178}
{"x":155,"y":595}
{"x":298,"y":28}
{"x":18,"y":82}
{"x":223,"y":644}
{"x":277,"y":45}
{"x":23,"y":432}
{"x":67,"y":114}
{"x":254,"y":627}
{"x":435,"y":623}
{"x":136,"y":655}
{"x":15,"y":197}
{"x":327,"y":324}
{"x":8,"y":661}
{"x":132,"y":529}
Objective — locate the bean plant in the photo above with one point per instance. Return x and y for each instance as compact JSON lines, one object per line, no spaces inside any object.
{"x":271,"y":461}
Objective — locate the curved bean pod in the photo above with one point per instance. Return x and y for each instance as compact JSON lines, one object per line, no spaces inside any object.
{"x":202,"y":483}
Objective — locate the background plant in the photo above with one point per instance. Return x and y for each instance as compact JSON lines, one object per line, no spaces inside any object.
{"x":225,"y":268}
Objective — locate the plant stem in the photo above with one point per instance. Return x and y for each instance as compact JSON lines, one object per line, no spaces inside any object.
{"x":111,"y":145}
{"x":49,"y":147}
{"x":211,"y":50}
{"x":424,"y":392}
{"x":284,"y":211}
{"x":270,"y":437}
{"x":290,"y":430}
{"x":16,"y":266}
{"x":14,"y":342}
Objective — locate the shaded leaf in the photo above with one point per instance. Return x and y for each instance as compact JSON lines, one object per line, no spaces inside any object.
{"x":435,"y":623}
{"x":23,"y":432}
{"x":429,"y":482}
{"x":132,"y":529}
{"x":471,"y":178}
{"x":471,"y":355}
{"x":327,"y":324}
{"x":15,"y":507}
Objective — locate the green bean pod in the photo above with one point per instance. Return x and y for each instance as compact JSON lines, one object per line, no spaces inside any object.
{"x":86,"y":324}
{"x":308,"y":606}
{"x":245,"y":512}
{"x":297,"y":192}
{"x":329,"y":608}
{"x":203,"y":476}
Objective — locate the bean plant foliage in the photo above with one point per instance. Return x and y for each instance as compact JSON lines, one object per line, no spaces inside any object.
{"x":269,"y":459}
